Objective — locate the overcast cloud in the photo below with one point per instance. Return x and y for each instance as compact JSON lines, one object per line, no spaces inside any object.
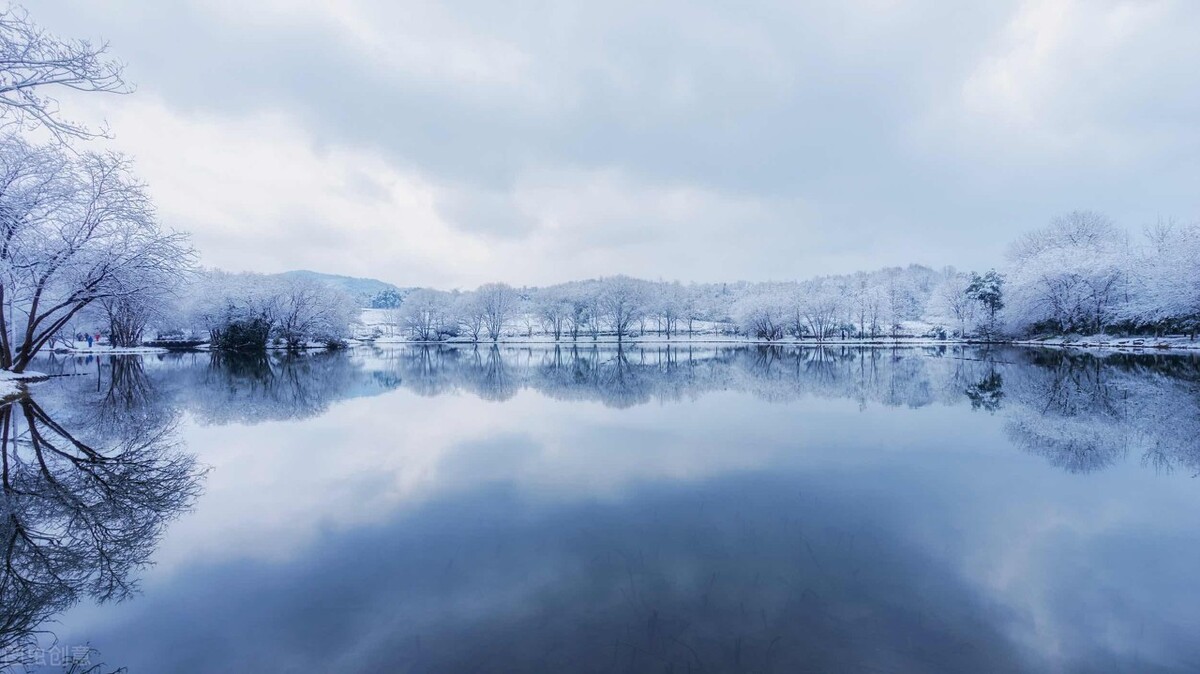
{"x":449,"y":144}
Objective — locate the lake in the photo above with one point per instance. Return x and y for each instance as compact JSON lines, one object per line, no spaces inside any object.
{"x":692,"y":508}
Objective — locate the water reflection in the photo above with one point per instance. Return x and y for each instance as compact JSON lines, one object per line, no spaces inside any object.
{"x":90,"y":481}
{"x":1082,"y":412}
{"x":635,"y":510}
{"x":236,"y":388}
{"x":773,"y":575}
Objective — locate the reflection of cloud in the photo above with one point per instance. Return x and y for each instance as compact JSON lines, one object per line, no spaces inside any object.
{"x":284,"y":193}
{"x":771,"y":570}
{"x":762,"y":574}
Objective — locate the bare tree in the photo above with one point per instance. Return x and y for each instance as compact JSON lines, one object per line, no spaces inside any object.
{"x":34,"y":62}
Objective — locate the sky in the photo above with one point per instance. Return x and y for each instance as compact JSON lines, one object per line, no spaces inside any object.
{"x":454,"y":143}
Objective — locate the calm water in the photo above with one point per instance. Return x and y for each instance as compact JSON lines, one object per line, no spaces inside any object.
{"x":649,"y":510}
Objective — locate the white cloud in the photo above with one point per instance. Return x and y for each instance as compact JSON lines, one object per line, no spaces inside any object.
{"x":257,"y":194}
{"x":429,"y":144}
{"x":1057,"y":71}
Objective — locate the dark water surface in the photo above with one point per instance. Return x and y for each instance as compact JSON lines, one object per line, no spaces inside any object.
{"x":656,"y":509}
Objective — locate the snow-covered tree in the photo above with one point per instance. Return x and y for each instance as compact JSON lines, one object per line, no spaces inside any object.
{"x":238,"y":311}
{"x":526,"y":311}
{"x":499,"y":301}
{"x":867,"y":300}
{"x":553,"y":307}
{"x":623,"y":301}
{"x":763,"y":313}
{"x":1164,"y":289}
{"x":951,"y":303}
{"x":309,"y":310}
{"x":471,"y":314}
{"x":1068,"y":276}
{"x":898,"y":296}
{"x":818,"y":306}
{"x":987,"y":290}
{"x":428,"y":315}
{"x":692,"y":307}
{"x":34,"y":63}
{"x":669,"y":305}
{"x":129,"y":316}
{"x":76,"y":229}
{"x":246,"y":312}
{"x":581,"y":302}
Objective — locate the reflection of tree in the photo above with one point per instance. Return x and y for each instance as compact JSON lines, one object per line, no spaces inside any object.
{"x":79,"y":517}
{"x":496,"y":383}
{"x":1084,"y":412}
{"x":1067,"y":411}
{"x":987,"y":393}
{"x":249,"y":388}
{"x":624,"y":376}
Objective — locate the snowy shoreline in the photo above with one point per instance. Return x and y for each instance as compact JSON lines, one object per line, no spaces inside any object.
{"x":1178,"y":343}
{"x":1110,"y":344}
{"x":110,"y":351}
{"x":12,"y":384}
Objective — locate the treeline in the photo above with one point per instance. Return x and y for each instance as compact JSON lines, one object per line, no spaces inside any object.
{"x":1079,"y":275}
{"x":622,"y":307}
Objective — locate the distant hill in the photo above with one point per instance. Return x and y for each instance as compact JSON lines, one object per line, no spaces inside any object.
{"x":365,"y":290}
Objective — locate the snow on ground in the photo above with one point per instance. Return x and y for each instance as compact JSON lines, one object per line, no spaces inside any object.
{"x":105,"y":349}
{"x":697,"y":338}
{"x":12,"y":384}
{"x":1173,"y":342}
{"x":378,"y":326}
{"x":1109,"y":343}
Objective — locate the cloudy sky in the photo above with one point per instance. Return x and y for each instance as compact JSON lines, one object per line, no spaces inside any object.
{"x":447,"y":144}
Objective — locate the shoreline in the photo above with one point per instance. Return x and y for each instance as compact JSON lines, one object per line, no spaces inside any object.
{"x":14,"y":386}
{"x":1133,"y":344}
